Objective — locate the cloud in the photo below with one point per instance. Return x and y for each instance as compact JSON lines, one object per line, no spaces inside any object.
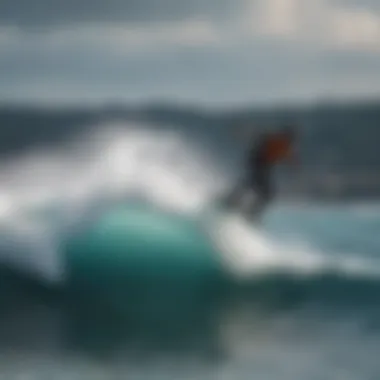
{"x":111,"y":38}
{"x":136,"y":38}
{"x":338,"y":23}
{"x":369,"y":5}
{"x":50,"y":13}
{"x":273,"y":17}
{"x":260,"y":72}
{"x":204,"y":50}
{"x":321,"y":23}
{"x":356,"y":28}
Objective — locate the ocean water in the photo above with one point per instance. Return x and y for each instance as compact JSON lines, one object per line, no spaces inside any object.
{"x":116,"y":264}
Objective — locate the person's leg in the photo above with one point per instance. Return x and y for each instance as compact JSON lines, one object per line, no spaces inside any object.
{"x":236,"y":195}
{"x":259,"y":207}
{"x":262,"y":190}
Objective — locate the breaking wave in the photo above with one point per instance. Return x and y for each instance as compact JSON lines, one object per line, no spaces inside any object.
{"x":125,"y":215}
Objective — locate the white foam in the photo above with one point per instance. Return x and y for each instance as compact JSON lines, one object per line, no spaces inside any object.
{"x":121,"y":160}
{"x":248,"y":251}
{"x":112,"y":162}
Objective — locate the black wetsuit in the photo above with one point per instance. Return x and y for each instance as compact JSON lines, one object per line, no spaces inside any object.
{"x":257,"y":179}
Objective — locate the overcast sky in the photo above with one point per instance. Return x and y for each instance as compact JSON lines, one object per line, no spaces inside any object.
{"x":202,"y":51}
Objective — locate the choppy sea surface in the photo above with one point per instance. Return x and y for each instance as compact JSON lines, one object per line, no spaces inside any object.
{"x":116,"y":264}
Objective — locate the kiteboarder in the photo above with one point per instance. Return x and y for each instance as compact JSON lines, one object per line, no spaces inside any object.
{"x":264,"y":153}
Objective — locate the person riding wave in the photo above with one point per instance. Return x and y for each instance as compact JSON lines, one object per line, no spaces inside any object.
{"x":270,"y":149}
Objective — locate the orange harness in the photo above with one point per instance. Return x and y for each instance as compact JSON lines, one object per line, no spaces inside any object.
{"x":276,"y":149}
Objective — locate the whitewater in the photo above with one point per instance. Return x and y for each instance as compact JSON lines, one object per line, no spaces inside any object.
{"x":116,"y":258}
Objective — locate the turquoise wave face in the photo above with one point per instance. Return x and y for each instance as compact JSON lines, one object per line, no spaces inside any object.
{"x":134,"y":252}
{"x":141,"y":277}
{"x":137,"y":240}
{"x":143,"y":270}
